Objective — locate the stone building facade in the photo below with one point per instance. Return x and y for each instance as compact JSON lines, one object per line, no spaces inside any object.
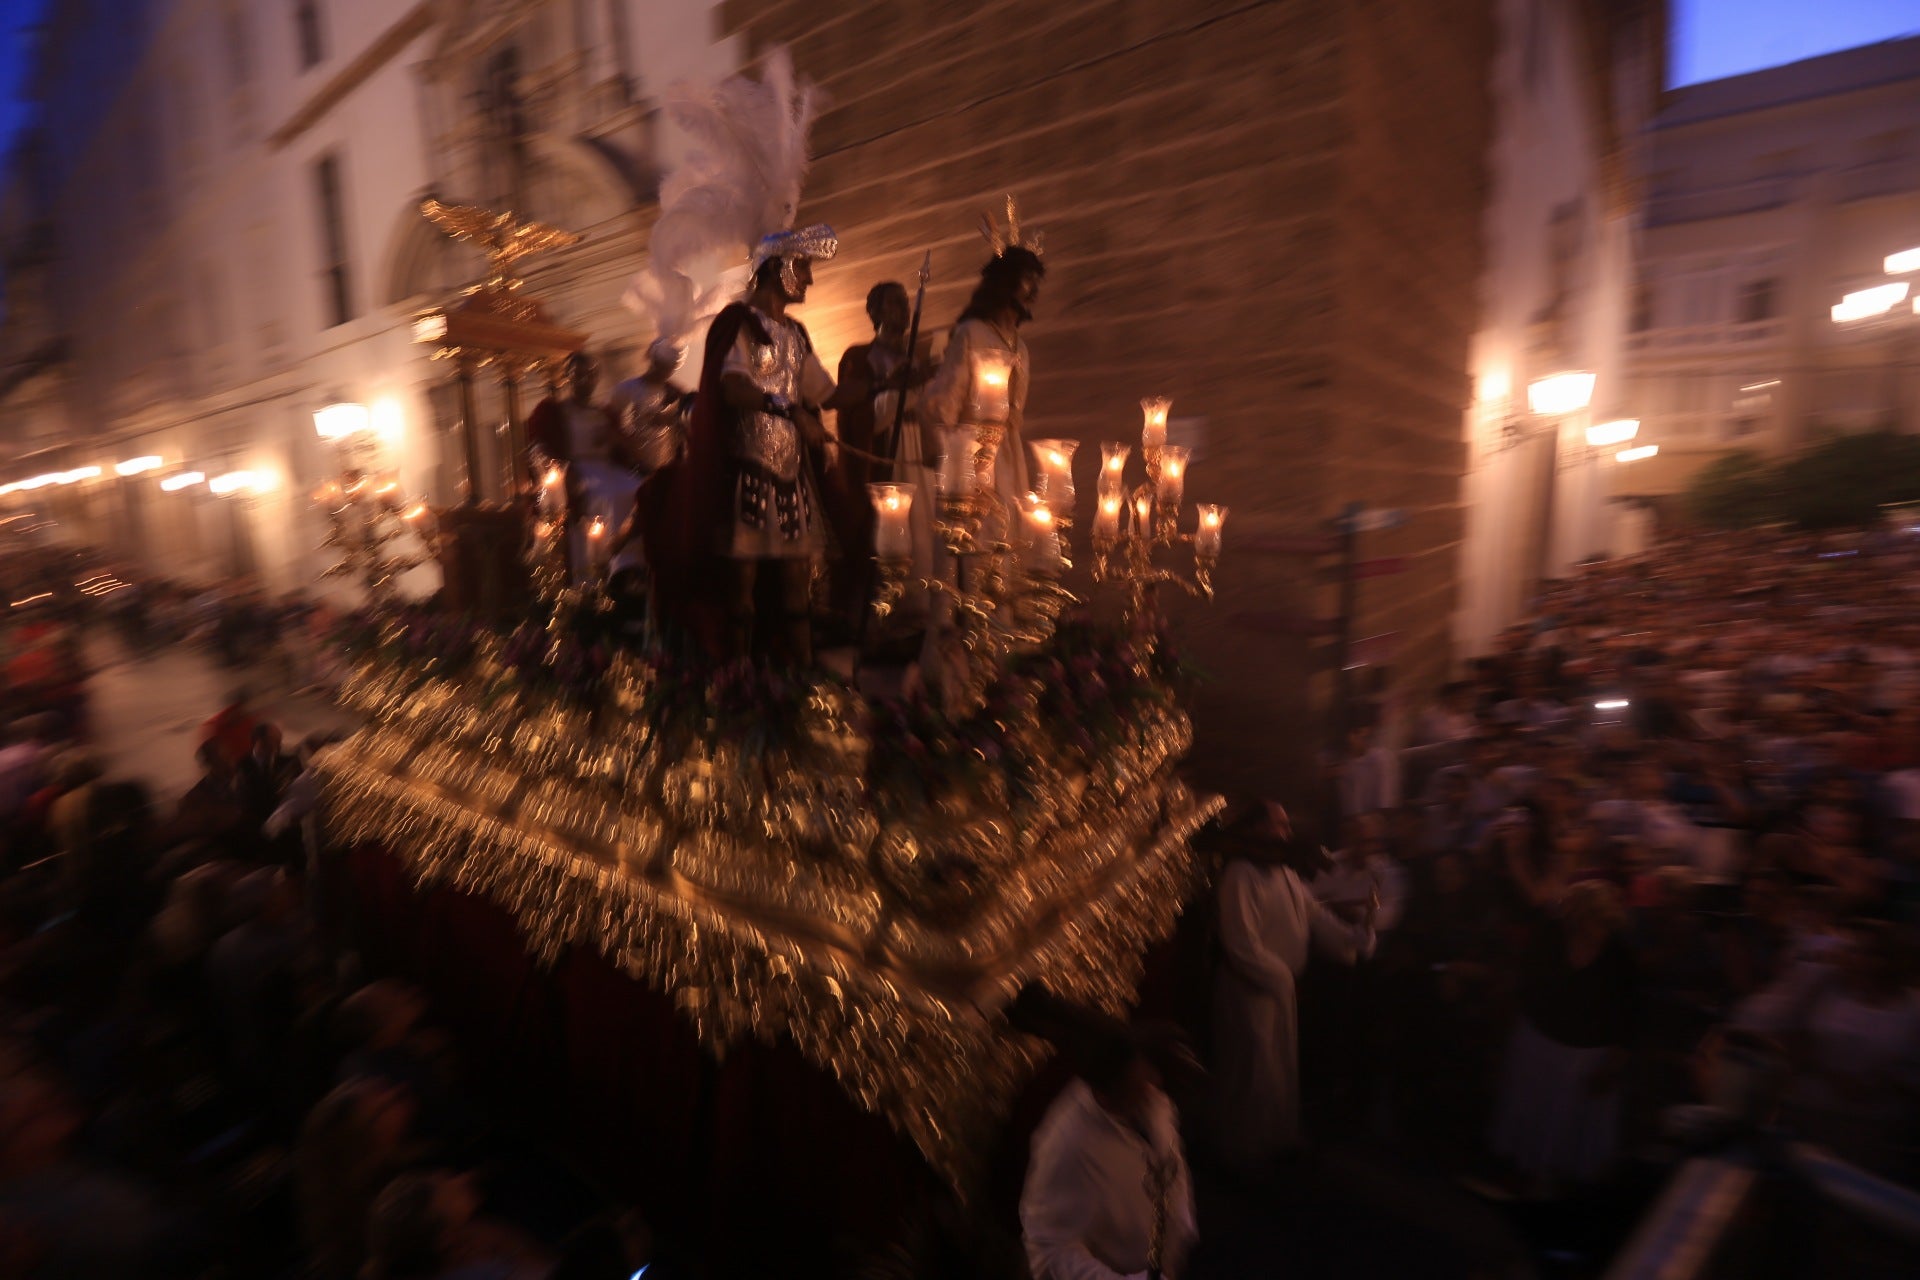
{"x":224,"y":225}
{"x":1772,"y":195}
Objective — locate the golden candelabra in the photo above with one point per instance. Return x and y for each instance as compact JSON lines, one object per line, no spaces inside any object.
{"x":367,"y":514}
{"x":993,"y":593}
{"x":1129,"y":528}
{"x":566,"y":594}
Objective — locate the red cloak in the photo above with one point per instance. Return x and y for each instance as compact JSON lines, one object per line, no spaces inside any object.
{"x":687,"y":507}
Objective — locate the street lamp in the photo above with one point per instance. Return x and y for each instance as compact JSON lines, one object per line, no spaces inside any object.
{"x":1879,"y":300}
{"x":1619,"y":431}
{"x":1899,"y":264}
{"x":341,"y":420}
{"x":1559,"y":394}
{"x":1876,"y":300}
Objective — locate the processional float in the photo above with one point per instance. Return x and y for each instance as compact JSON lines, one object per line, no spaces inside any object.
{"x":871,"y":879}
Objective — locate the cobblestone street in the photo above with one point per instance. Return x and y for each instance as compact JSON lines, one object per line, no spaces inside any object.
{"x":147,"y":707}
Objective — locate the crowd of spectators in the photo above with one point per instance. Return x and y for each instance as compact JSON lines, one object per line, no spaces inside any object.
{"x":195,"y":1078}
{"x":1678,"y":810}
{"x":1680,"y":806}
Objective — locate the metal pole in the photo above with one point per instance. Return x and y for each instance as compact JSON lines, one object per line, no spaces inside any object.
{"x":1349,"y":535}
{"x":517,"y":481}
{"x":469,"y":432}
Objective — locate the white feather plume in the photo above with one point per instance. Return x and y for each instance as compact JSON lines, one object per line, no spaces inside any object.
{"x":740,"y":181}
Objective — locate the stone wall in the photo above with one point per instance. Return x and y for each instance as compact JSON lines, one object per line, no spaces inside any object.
{"x":1268,"y":211}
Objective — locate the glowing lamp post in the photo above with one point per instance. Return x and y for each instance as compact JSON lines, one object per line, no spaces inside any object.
{"x":1559,"y":394}
{"x":1603,"y":434}
{"x":341,"y":420}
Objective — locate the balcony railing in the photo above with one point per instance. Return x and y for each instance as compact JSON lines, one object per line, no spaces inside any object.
{"x":1720,"y":202}
{"x":1879,"y":178}
{"x":1695,"y":337}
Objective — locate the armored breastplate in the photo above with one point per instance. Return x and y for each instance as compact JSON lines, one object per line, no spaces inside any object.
{"x":764,"y":439}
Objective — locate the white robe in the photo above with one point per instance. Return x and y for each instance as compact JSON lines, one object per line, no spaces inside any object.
{"x":1085,"y":1212}
{"x":946,"y":406}
{"x":1269,"y":921}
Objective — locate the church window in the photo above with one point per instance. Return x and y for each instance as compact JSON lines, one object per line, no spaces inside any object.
{"x":306,"y":27}
{"x":336,"y":277}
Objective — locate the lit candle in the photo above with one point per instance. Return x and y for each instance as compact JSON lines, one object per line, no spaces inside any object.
{"x":1173,"y":475}
{"x":892,"y":536}
{"x":1106,"y":525}
{"x":1143,"y":513}
{"x":1055,"y":459}
{"x":1206,"y":535}
{"x":1042,"y":552}
{"x":1113,"y":465}
{"x":992,"y":383}
{"x":1153,"y":434}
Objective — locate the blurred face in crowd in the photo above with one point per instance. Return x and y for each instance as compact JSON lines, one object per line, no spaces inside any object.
{"x":1130,"y":1096}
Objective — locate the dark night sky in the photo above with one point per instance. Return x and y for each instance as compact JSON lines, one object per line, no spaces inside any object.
{"x":15,"y":17}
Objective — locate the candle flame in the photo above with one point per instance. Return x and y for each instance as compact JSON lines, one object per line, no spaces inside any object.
{"x":552,"y":476}
{"x":417,"y":510}
{"x":597,"y":529}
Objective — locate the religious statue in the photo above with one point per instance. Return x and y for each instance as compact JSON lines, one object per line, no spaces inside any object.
{"x":873,"y":426}
{"x":650,"y":413}
{"x":650,"y":410}
{"x":978,"y":397}
{"x":972,"y":412}
{"x":583,"y":438}
{"x":732,"y":539}
{"x":762,"y":392}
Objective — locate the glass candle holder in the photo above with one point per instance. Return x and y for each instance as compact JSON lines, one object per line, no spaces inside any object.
{"x":892,"y":535}
{"x":1206,"y":534}
{"x":1054,"y":460}
{"x":992,"y":386}
{"x":1113,"y":466}
{"x":1153,"y":431}
{"x":1041,"y":554}
{"x":1173,"y":475}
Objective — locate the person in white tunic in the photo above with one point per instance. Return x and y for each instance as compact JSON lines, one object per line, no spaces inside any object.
{"x":1107,"y":1175}
{"x":1269,"y":923}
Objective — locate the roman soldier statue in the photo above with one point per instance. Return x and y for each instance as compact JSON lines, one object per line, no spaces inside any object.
{"x":733,"y":539}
